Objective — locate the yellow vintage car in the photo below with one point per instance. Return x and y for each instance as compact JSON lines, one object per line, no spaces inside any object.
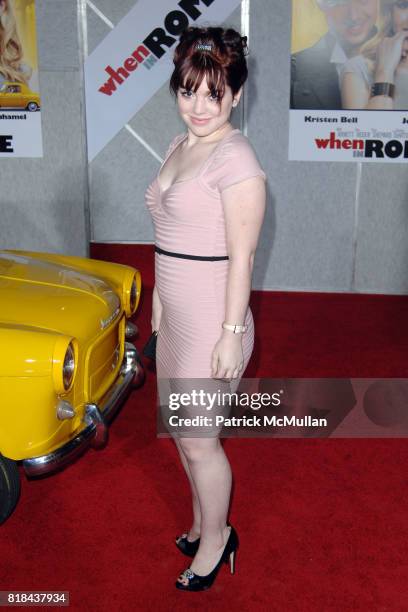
{"x":66,"y":363}
{"x":18,"y":95}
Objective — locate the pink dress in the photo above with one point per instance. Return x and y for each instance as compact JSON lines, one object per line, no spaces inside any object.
{"x":188,"y":218}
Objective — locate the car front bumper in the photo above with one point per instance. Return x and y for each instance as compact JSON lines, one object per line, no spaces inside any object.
{"x":96,"y":418}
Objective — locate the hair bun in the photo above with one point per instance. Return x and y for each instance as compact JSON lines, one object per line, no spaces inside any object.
{"x":235,"y":41}
{"x":244,"y":42}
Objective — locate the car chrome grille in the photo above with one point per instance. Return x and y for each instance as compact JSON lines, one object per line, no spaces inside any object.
{"x":103,"y":360}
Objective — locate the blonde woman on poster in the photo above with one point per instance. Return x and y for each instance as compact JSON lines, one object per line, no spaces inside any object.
{"x":378,"y":77}
{"x":316,"y":70}
{"x":12,"y":67}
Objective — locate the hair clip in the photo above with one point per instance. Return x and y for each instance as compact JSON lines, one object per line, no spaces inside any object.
{"x":203,"y":47}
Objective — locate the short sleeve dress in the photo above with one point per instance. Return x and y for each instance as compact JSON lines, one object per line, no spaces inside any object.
{"x":188,"y":218}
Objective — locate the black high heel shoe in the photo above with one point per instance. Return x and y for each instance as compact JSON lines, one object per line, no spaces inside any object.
{"x":187,"y":548}
{"x":201,"y":583}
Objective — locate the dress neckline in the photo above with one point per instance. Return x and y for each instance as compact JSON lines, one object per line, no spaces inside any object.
{"x":203,"y":166}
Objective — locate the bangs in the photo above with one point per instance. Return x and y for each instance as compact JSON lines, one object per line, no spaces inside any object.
{"x":194,"y":69}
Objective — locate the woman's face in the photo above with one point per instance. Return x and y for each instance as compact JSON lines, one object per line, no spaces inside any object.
{"x":3,"y":6}
{"x":400,"y":21}
{"x":201,"y":111}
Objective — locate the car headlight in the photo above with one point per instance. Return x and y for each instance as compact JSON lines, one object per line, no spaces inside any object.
{"x":68,"y":368}
{"x":64,"y":363}
{"x":131,"y":290}
{"x":133,"y":296}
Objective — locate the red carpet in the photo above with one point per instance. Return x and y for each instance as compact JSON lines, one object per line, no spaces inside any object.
{"x":322,"y":523}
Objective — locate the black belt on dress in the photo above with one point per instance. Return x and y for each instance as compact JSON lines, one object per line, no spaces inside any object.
{"x":184,"y":256}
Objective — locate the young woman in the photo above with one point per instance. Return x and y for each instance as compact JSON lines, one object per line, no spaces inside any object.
{"x":207,"y":204}
{"x":11,"y":51}
{"x":378,"y":77}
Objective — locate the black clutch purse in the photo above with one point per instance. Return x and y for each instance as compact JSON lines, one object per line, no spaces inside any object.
{"x":149,"y":349}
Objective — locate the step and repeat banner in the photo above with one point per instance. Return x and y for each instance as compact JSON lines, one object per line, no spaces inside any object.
{"x":135,"y":60}
{"x":20,"y":104}
{"x":349,"y":81}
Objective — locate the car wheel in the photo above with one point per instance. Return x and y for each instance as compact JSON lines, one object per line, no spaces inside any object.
{"x":32,"y":106}
{"x":9,"y":487}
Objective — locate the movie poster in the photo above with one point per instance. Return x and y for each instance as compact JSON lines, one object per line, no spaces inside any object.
{"x":135,"y":59}
{"x":20,"y":104}
{"x":349,"y":81}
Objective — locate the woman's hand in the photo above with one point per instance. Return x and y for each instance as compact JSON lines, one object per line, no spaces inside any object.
{"x":157,"y":310}
{"x":389,"y":55}
{"x":227,"y":358}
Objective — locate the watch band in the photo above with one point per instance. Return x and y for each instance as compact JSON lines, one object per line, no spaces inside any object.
{"x":383,"y":89}
{"x":237,"y":329}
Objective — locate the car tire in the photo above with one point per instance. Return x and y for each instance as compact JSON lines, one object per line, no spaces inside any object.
{"x":32,"y":106}
{"x":9,"y":487}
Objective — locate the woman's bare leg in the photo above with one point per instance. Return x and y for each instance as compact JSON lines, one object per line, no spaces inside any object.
{"x":211,"y":473}
{"x":195,"y":529}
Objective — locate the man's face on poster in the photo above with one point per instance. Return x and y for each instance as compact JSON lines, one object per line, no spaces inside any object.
{"x":351,"y":21}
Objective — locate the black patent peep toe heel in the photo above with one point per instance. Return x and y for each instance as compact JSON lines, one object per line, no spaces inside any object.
{"x":189,"y":581}
{"x":186,"y":547}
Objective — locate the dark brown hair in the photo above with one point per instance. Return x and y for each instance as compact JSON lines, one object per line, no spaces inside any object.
{"x":220,"y":57}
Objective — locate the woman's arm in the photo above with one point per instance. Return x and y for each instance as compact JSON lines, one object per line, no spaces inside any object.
{"x":355,"y":92}
{"x":356,"y":95}
{"x":244,"y":210}
{"x":157,"y":309}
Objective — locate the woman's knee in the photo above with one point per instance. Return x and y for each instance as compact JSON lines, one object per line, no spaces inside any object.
{"x":198,"y":449}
